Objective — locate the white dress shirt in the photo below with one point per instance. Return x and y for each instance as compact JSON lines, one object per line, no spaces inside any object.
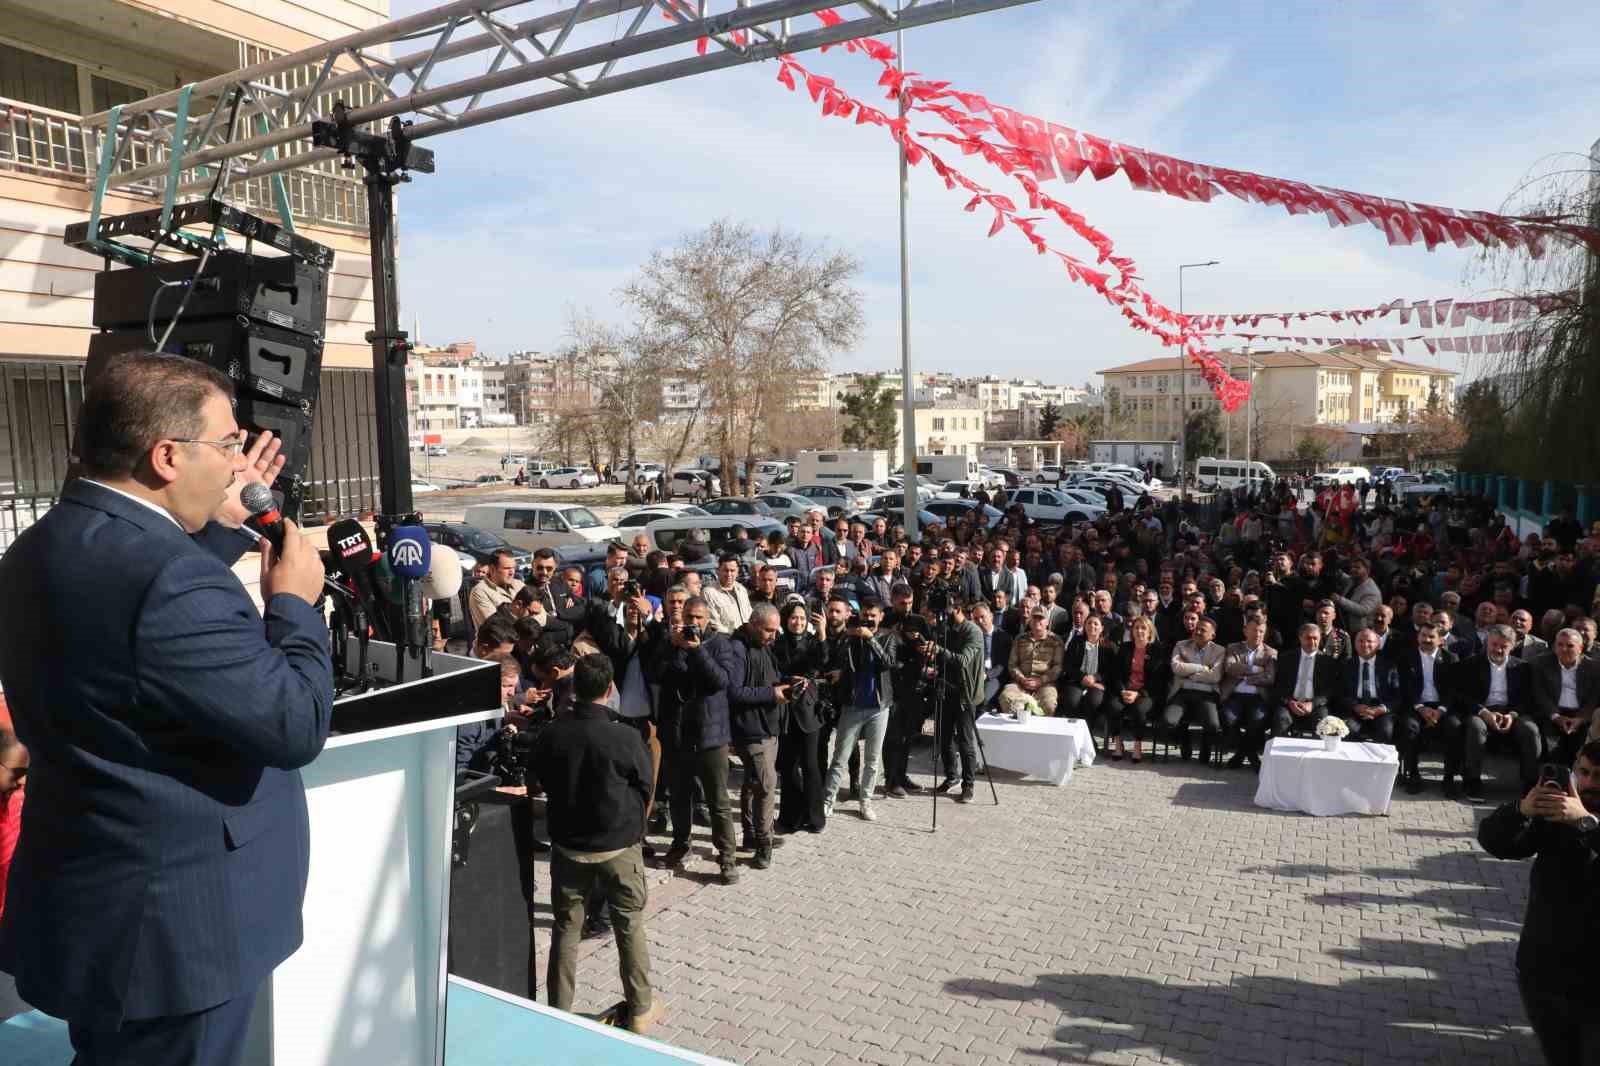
{"x":140,"y":500}
{"x":1367,"y":680}
{"x":1497,"y":686}
{"x":1247,"y":686}
{"x":1430,"y":694}
{"x":1303,"y":682}
{"x":1569,"y":688}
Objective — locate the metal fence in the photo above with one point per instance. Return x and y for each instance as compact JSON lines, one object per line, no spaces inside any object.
{"x":39,"y":402}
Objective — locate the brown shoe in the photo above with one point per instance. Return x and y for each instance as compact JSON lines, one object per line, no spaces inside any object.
{"x":643,"y":1023}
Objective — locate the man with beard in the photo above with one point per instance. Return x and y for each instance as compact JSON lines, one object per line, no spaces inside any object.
{"x":1555,"y":824}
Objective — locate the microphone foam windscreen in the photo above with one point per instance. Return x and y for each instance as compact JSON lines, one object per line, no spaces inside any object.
{"x":410,"y":551}
{"x":350,"y":542}
{"x":444,"y":574}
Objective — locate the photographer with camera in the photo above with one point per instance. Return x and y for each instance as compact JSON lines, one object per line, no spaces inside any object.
{"x":596,"y":776}
{"x":865,"y":660}
{"x":756,"y":711}
{"x":1556,"y":825}
{"x":953,"y":656}
{"x":694,"y":674}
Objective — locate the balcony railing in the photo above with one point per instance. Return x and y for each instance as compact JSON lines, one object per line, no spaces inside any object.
{"x":37,"y":140}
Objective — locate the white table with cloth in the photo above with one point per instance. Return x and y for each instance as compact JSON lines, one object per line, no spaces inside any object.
{"x":1046,"y":748}
{"x":1303,"y":775}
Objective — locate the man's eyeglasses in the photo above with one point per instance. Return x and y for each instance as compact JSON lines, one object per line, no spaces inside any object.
{"x":229,"y":446}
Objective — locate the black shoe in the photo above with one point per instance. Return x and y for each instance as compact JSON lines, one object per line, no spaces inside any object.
{"x":729,"y":873}
{"x":1184,"y":750}
{"x":1472,"y":789}
{"x":1237,"y":761}
{"x":675,"y":855}
{"x":966,"y":794}
{"x":812,"y":828}
{"x":763,"y":858}
{"x":1451,"y":789}
{"x":1255,"y":761}
{"x":1205,"y":751}
{"x":897,"y":792}
{"x":594,"y":928}
{"x":913,"y":787}
{"x":1414,"y":783}
{"x":702,"y":815}
{"x":946,"y":785}
{"x":658,"y":821}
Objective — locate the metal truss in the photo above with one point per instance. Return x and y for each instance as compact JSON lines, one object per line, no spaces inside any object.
{"x":474,"y":66}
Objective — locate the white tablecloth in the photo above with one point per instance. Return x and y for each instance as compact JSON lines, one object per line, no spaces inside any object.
{"x":1042,"y":747}
{"x":1300,"y":775}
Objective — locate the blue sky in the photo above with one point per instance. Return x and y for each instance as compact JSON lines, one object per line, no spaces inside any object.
{"x":1446,"y":103}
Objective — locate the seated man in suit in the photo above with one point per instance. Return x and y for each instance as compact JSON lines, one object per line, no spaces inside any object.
{"x":1529,"y":645}
{"x":1305,"y":684}
{"x":1368,"y":692}
{"x":1565,"y":694}
{"x":1248,"y":672}
{"x":1424,"y":675}
{"x":996,"y":655}
{"x":1491,"y":696}
{"x":1196,"y":674}
{"x":1034,"y":666}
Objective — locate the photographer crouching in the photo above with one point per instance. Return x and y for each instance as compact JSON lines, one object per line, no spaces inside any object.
{"x":1556,"y":824}
{"x":597,"y":780}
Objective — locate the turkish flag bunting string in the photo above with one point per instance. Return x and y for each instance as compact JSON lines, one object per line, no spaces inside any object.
{"x":1489,"y":343}
{"x":1142,"y":311}
{"x":1429,"y":314}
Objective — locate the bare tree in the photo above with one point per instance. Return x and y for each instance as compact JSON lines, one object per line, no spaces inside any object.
{"x":741,"y":315}
{"x":1550,"y":376}
{"x":622,"y":373}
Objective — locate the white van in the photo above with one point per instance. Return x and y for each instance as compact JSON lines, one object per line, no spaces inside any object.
{"x":542,"y":525}
{"x":1213,"y":473}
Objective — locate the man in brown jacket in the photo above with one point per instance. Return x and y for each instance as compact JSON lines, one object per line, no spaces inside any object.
{"x":1035,"y":664}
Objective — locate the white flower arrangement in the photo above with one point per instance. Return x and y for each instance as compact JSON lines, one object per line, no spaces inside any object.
{"x":1332,"y":726}
{"x":1029,"y":704}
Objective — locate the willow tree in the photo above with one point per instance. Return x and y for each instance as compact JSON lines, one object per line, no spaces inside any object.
{"x":1549,"y":378}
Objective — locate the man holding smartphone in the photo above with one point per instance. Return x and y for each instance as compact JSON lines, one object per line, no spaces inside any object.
{"x":1556,"y":825}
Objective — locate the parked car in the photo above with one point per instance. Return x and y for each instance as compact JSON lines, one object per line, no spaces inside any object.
{"x":419,"y":487}
{"x":1048,"y":505}
{"x":731,"y":505}
{"x":1047,"y":475}
{"x":543,"y":525}
{"x":477,"y":545}
{"x":698,"y":540}
{"x":569,"y":477}
{"x":641,"y":516}
{"x":488,"y":479}
{"x":950,"y":511}
{"x":1343,"y":475}
{"x":836,"y":498}
{"x":516,"y":459}
{"x":926,"y":489}
{"x":641,"y":472}
{"x":958,"y":490}
{"x":692,"y":482}
{"x":436,"y":449}
{"x":895,"y":516}
{"x":781,"y":505}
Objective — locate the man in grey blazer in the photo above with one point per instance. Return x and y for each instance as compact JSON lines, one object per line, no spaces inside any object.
{"x":163,"y":855}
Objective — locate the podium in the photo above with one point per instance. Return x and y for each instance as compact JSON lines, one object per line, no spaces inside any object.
{"x":367,"y":986}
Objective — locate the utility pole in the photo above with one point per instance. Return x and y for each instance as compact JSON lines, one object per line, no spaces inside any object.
{"x":1183,"y":383}
{"x":908,"y":410}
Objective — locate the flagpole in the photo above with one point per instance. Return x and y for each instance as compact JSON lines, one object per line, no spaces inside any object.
{"x":908,"y":416}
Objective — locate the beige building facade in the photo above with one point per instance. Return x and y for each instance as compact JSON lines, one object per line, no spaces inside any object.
{"x":63,"y":59}
{"x":1341,"y":388}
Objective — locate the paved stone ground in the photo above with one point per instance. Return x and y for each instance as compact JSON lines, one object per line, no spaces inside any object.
{"x":1138,"y":915}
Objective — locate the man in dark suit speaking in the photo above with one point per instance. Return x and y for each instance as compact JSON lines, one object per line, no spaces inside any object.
{"x":163,"y":856}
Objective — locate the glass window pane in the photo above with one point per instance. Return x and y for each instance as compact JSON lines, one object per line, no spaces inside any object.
{"x":35,"y":79}
{"x":108,"y":94}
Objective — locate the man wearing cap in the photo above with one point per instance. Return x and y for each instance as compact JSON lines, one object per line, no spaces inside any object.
{"x":1036,"y":658}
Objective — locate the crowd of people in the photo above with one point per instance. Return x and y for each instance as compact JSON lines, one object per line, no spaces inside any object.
{"x":815,"y":659}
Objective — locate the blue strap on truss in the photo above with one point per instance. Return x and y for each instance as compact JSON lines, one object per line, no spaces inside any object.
{"x":180,"y":142}
{"x":108,"y":152}
{"x":280,"y":192}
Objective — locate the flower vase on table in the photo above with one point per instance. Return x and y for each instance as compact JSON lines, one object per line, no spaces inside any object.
{"x":1025,"y":708}
{"x":1332,"y":730}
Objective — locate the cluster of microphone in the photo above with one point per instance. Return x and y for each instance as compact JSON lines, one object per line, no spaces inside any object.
{"x":380,"y":594}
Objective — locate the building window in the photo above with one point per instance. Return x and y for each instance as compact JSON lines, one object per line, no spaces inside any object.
{"x":40,"y":80}
{"x":938,"y":425}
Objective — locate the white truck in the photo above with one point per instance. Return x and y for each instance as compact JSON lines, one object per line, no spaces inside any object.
{"x":813,"y":468}
{"x":1136,"y":452}
{"x":944,"y":468}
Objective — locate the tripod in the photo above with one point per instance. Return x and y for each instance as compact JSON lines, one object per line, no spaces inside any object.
{"x":941,"y":686}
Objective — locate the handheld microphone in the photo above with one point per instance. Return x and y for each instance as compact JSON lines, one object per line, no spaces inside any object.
{"x":265,"y":519}
{"x":352,"y":546}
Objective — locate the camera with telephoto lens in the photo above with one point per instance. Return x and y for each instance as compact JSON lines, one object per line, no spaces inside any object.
{"x":691,"y":632}
{"x":937,"y":600}
{"x":631,"y":590}
{"x":511,"y":759}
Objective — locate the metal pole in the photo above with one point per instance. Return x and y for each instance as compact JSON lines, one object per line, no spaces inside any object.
{"x":908,"y":412}
{"x":388,"y":353}
{"x":1227,"y":423}
{"x":1249,"y":403}
{"x":1183,"y":383}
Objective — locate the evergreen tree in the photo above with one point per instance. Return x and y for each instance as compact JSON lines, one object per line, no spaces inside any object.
{"x":1049,"y":419}
{"x":872,"y":413}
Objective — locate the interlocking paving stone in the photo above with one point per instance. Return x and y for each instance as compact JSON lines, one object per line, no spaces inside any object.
{"x":1147,"y":914}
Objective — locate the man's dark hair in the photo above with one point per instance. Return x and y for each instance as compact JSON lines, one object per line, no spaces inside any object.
{"x":496,"y":630}
{"x":552,"y":655}
{"x":525,"y":596}
{"x":1590,"y":751}
{"x":137,"y":400}
{"x":544,"y":553}
{"x":528,"y":630}
{"x":591,"y":678}
{"x":503,"y":553}
{"x":727,"y":557}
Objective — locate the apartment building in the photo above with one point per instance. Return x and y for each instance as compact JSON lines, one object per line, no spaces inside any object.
{"x":1346,"y":388}
{"x":60,"y":61}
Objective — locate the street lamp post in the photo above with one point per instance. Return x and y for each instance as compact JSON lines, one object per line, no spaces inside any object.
{"x":1183,"y":383}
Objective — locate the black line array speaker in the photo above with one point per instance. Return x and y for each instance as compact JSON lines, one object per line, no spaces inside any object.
{"x":257,"y":319}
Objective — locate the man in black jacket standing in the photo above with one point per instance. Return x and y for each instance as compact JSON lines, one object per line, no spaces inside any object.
{"x":756,"y":699}
{"x":1556,"y":824}
{"x":596,"y":777}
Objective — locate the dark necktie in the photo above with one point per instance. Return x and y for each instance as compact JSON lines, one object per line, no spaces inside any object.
{"x":1366,"y":679}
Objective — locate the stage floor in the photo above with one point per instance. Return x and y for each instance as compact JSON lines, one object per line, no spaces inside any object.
{"x":484,"y":1027}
